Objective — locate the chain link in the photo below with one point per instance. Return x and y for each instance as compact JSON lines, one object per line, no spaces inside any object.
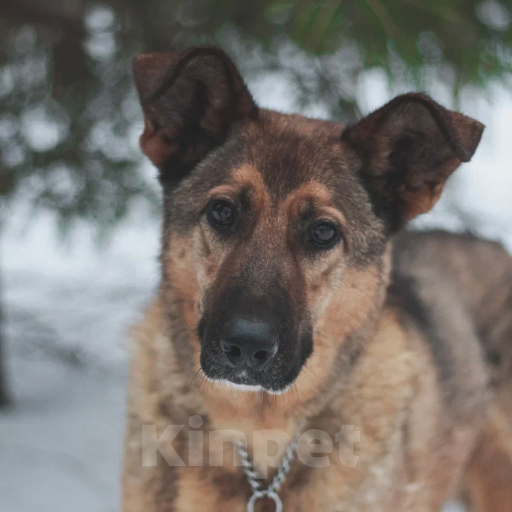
{"x":254,"y":478}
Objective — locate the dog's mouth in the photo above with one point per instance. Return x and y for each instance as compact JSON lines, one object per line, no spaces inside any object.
{"x":271,"y":379}
{"x":242,"y":380}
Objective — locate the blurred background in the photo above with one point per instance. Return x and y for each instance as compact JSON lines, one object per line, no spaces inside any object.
{"x":79,"y":210}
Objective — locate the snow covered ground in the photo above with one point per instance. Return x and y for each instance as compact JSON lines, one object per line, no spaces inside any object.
{"x":68,"y":309}
{"x":67,"y":315}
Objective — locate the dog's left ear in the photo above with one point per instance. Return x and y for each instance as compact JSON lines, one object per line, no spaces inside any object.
{"x":408,"y":149}
{"x":190,"y":101}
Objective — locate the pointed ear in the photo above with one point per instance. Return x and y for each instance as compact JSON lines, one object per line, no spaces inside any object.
{"x":190,"y":101}
{"x":408,"y":149}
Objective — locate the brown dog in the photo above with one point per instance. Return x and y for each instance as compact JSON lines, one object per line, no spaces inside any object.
{"x":283,"y":310}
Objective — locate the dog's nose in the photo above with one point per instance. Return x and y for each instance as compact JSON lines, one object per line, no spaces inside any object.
{"x":248,"y":342}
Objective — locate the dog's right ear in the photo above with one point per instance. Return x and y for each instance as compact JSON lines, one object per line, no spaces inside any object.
{"x":190,"y":101}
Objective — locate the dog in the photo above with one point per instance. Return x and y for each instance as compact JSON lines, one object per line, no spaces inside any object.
{"x":304,"y":352}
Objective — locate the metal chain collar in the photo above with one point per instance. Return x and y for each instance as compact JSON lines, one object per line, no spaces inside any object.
{"x":254,"y":478}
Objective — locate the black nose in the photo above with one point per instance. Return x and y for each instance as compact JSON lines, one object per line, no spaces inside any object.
{"x":248,"y":342}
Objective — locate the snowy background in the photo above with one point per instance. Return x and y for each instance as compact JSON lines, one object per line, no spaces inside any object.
{"x":68,"y":307}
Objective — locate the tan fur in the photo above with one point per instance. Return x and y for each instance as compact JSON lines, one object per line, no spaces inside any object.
{"x":490,"y":470}
{"x":156,"y":145}
{"x":423,"y":198}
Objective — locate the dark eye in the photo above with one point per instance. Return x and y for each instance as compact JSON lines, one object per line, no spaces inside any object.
{"x":324,"y":235}
{"x":222,"y":215}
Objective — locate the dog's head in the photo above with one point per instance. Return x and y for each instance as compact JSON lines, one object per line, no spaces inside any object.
{"x":276,"y":226}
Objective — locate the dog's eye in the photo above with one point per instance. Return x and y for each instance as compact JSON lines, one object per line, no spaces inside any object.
{"x":324,"y":235}
{"x":221,"y":214}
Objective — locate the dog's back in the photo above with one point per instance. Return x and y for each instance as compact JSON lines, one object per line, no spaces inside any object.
{"x":459,"y":287}
{"x":477,"y":274}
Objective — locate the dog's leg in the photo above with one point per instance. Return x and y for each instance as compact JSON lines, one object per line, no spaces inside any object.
{"x":489,"y":475}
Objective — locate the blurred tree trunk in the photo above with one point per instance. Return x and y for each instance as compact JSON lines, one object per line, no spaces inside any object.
{"x":4,"y":394}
